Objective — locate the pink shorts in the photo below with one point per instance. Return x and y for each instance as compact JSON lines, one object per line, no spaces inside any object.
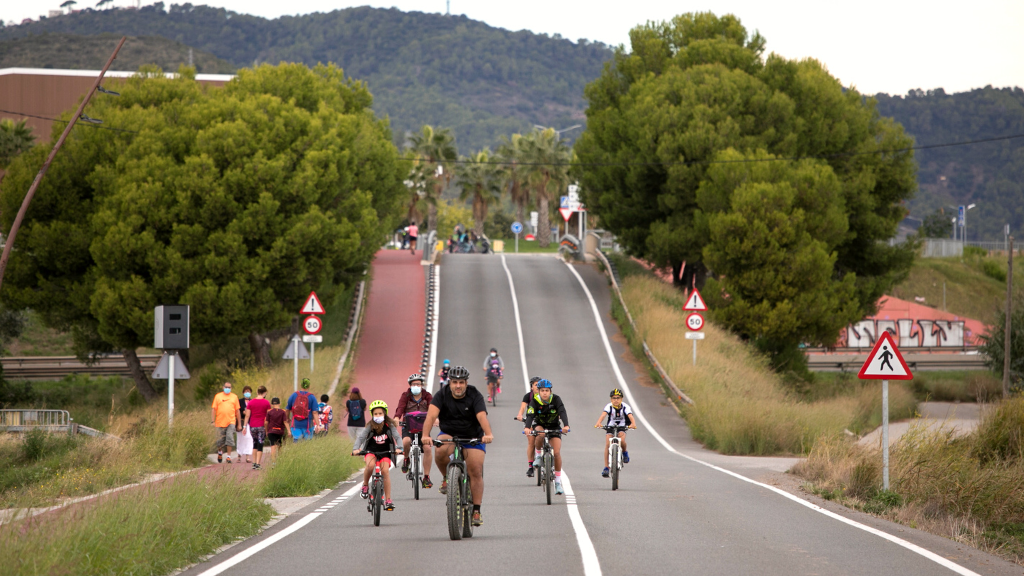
{"x":384,"y":462}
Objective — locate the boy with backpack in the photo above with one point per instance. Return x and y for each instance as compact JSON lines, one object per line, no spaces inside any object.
{"x":304,"y":411}
{"x":326,"y":416}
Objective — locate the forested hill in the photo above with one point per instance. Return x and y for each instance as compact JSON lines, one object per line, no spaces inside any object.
{"x":77,"y":52}
{"x":422,"y":68}
{"x":990,"y":175}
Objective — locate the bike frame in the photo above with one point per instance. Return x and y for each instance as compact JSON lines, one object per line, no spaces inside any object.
{"x":464,"y":489}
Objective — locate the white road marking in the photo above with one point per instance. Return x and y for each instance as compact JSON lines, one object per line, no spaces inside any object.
{"x":252,"y":550}
{"x":591,"y":565}
{"x":636,"y":410}
{"x":433,"y":332}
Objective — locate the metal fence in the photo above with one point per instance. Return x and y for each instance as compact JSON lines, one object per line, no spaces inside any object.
{"x":25,"y":420}
{"x":942,"y":248}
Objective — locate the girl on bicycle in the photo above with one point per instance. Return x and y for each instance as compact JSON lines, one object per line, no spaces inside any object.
{"x":545,"y":410}
{"x":621,"y":415}
{"x":378,"y":439}
{"x":442,"y":374}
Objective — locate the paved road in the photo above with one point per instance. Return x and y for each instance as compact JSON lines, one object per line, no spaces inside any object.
{"x":672,"y":514}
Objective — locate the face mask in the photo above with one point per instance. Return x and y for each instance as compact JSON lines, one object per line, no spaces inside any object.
{"x":493,"y":354}
{"x":415,"y":390}
{"x":227,"y":390}
{"x":247,"y":394}
{"x":378,"y":419}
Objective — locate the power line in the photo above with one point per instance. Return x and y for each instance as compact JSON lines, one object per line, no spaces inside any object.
{"x":87,"y":124}
{"x":741,"y":161}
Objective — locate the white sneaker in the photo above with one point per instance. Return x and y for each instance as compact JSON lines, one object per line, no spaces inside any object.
{"x":558,"y":487}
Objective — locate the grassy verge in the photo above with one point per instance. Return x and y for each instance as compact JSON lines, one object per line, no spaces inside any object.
{"x":938,"y":386}
{"x":158,"y":529}
{"x":38,"y":340}
{"x":529,"y":247}
{"x":740,"y":406}
{"x":969,"y":489}
{"x":306,"y":468}
{"x":975,"y":284}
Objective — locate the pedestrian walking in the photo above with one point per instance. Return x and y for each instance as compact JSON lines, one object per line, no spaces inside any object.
{"x":255,"y":422}
{"x":244,"y":441}
{"x":356,"y":408}
{"x":414,"y":231}
{"x":227,"y":419}
{"x":326,"y":416}
{"x":304,"y":412}
{"x":277,"y":426}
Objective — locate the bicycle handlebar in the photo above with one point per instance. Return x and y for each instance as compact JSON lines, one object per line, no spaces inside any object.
{"x":622,"y":428}
{"x":539,"y":432}
{"x":438,"y":442}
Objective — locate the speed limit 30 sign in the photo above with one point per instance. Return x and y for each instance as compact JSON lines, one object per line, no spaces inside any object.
{"x":312,"y":324}
{"x":695,"y":321}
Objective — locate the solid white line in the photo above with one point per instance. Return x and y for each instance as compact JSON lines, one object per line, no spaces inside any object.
{"x":636,"y":410}
{"x":433,"y":332}
{"x":591,"y":565}
{"x":252,"y":550}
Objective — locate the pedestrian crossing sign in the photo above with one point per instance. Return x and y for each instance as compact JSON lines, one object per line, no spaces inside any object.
{"x":885,"y":361}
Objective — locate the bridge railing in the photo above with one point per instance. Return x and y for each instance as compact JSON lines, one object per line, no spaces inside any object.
{"x":23,"y":420}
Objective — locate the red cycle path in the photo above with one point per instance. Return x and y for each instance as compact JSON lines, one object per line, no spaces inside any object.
{"x":391,"y":339}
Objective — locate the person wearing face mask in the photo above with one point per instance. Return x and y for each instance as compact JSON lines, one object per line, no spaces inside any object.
{"x":494,"y":370}
{"x":411,"y":411}
{"x":442,"y":374}
{"x":244,"y":440}
{"x":378,"y":442}
{"x":227,"y":419}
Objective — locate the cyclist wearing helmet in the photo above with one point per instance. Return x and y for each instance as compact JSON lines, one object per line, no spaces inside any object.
{"x":530,"y":440}
{"x":379,"y":439}
{"x":494,"y":370}
{"x":410,"y":413}
{"x":442,"y":374}
{"x":463,"y":414}
{"x":546,"y":409}
{"x":619,"y":414}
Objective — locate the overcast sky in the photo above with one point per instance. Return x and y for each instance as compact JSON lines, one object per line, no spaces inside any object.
{"x":875,"y":45}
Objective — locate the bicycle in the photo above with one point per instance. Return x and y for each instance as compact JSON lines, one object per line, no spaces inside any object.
{"x":459,"y":500}
{"x":376,"y":499}
{"x":615,"y":453}
{"x":492,"y":391}
{"x":546,"y":473}
{"x":415,"y":473}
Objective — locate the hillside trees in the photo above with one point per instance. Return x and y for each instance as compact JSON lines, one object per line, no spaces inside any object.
{"x":236,"y":201}
{"x":15,"y":138}
{"x":696,"y":91}
{"x":481,"y":184}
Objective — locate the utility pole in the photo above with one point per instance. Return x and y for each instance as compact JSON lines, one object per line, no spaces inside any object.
{"x":1009,"y":310}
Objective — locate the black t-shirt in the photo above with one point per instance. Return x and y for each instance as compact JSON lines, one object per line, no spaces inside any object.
{"x":527,"y":397}
{"x":379,"y":443}
{"x":458,"y":415}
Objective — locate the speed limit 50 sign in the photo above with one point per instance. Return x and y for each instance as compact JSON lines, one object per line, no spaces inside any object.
{"x":694,"y":321}
{"x":312,"y":324}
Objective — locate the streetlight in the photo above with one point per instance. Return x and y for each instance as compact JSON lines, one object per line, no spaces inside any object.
{"x":964,"y":235}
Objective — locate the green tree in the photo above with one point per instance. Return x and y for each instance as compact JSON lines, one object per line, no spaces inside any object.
{"x":480,"y":181}
{"x":994,"y":348}
{"x":936,"y":225}
{"x":435,"y":153}
{"x":511,"y":154}
{"x":236,"y":201}
{"x":697,"y":85}
{"x":15,"y":138}
{"x":547,"y":159}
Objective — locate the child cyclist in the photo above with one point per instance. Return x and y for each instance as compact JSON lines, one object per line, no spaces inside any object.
{"x":442,"y":374}
{"x":620,"y":415}
{"x":547,"y":410}
{"x":378,"y":440}
{"x":523,"y":408}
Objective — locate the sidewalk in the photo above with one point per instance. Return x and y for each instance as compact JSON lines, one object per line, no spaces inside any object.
{"x":391,"y":338}
{"x":961,"y":418}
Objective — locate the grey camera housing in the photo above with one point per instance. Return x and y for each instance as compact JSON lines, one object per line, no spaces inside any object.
{"x":170,"y":331}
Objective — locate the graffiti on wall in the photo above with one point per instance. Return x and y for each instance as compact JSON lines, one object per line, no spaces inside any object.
{"x":909,"y":333}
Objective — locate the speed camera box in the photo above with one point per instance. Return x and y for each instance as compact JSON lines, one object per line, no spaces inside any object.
{"x":170,"y":327}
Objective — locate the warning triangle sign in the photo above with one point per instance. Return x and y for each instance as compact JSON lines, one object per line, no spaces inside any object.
{"x":695,"y":302}
{"x":885,"y":361}
{"x":312,"y":305}
{"x":566,"y":213}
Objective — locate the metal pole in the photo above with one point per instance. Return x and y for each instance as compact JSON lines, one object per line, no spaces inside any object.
{"x":885,"y":434}
{"x":1009,"y":311}
{"x":694,"y":352}
{"x":170,"y":389}
{"x":312,"y":355}
{"x":517,"y":242}
{"x":295,"y":349}
{"x":46,"y":165}
{"x":943,"y":295}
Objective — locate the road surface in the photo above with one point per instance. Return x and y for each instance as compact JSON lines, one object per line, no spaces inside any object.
{"x":680,"y":509}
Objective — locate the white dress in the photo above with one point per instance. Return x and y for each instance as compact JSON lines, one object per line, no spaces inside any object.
{"x":245,"y":441}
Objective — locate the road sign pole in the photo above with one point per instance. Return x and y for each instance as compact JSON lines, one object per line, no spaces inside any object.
{"x":295,"y":343}
{"x":170,"y":390}
{"x":885,"y":434}
{"x":312,"y":355}
{"x":517,"y":243}
{"x":694,"y":352}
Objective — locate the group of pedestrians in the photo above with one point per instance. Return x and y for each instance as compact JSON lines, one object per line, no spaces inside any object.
{"x":248,"y":424}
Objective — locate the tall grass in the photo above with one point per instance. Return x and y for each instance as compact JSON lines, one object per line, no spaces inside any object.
{"x":306,"y":468}
{"x":740,"y":405}
{"x":156,"y":530}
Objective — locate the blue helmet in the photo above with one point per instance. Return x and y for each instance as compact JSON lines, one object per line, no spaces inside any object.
{"x":446,"y":361}
{"x":544,"y":383}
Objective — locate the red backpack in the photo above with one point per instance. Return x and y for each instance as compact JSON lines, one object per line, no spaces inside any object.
{"x":300,"y":408}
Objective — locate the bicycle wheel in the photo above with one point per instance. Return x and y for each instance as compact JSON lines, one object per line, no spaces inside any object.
{"x":454,"y":502}
{"x":613,"y":459}
{"x":539,"y":473}
{"x":467,"y":510}
{"x":549,"y":474}
{"x":378,"y":500}
{"x":414,"y":454}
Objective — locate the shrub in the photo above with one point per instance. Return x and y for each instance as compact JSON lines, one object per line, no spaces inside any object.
{"x":306,"y":468}
{"x":1001,"y":433}
{"x":993,"y":270}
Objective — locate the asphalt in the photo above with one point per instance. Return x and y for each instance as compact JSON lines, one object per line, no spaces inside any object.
{"x":671,"y":515}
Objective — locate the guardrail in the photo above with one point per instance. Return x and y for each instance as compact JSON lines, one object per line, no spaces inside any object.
{"x":55,"y":367}
{"x":52,"y":421}
{"x":923,"y":362}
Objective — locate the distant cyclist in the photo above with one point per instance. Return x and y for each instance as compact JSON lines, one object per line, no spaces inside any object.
{"x":494,"y":370}
{"x":619,"y":414}
{"x":379,"y":439}
{"x":523,"y":408}
{"x":547,"y":411}
{"x":463,"y":414}
{"x":442,"y":374}
{"x":410,"y":414}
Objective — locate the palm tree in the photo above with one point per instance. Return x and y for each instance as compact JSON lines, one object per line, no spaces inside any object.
{"x":511,"y":153}
{"x":68,"y":4}
{"x":436,"y":152}
{"x":15,"y":138}
{"x":103,"y":3}
{"x":480,"y":181}
{"x":547,"y":161}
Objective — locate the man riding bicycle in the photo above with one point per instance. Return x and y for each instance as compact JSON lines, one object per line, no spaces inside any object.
{"x":463,"y":414}
{"x":494,"y":370}
{"x":410,"y":413}
{"x":620,"y":415}
{"x":547,"y":411}
{"x":523,"y":408}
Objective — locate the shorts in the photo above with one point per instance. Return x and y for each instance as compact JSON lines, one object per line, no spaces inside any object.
{"x":382,"y":459}
{"x":274,"y":439}
{"x":492,"y":379}
{"x":478,"y":446}
{"x":259,"y":436}
{"x":225,"y":436}
{"x":301,"y":433}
